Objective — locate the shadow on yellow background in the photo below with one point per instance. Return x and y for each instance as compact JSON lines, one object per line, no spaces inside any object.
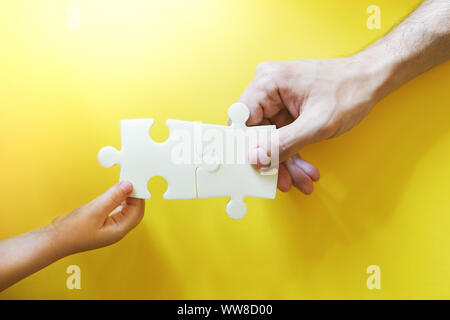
{"x":383,"y":198}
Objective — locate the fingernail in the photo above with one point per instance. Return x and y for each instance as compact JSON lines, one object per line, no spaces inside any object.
{"x":126,"y":186}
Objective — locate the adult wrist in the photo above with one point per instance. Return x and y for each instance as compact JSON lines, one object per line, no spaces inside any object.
{"x":381,"y":70}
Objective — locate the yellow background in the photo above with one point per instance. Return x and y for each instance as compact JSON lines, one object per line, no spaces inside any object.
{"x":383,"y":197}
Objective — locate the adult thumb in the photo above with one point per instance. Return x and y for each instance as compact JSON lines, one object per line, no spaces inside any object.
{"x":290,"y":139}
{"x":295,"y":136}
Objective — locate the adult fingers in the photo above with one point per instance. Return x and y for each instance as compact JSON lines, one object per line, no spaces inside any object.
{"x":251,"y":98}
{"x":307,"y":167}
{"x":262,"y":99}
{"x":300,"y":179}
{"x":291,"y":138}
{"x":284,"y":178}
{"x":295,"y":136}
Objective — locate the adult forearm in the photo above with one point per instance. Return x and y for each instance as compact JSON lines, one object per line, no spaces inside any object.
{"x":419,"y":43}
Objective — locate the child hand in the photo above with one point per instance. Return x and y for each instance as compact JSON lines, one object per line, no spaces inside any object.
{"x":103,"y":221}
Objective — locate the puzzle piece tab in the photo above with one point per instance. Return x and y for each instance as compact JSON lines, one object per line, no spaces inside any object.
{"x":142,"y":158}
{"x":233,"y":177}
{"x":194,"y":160}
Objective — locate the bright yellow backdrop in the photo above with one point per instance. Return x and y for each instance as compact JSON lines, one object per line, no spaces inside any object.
{"x":383,"y":197}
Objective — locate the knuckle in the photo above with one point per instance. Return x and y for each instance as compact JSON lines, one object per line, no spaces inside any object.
{"x":267,"y":67}
{"x":266,"y":83}
{"x":260,"y":68}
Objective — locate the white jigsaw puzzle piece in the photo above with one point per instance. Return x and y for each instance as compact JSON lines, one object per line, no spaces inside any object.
{"x":178,"y":159}
{"x":235,"y":180}
{"x":142,"y":158}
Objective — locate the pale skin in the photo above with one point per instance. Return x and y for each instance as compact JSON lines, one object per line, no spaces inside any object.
{"x":308,"y":100}
{"x":314,"y":100}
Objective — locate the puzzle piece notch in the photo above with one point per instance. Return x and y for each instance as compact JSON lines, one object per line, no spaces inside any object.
{"x":236,"y":180}
{"x":141,"y":158}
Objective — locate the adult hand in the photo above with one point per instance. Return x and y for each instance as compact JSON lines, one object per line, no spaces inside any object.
{"x":309,"y":101}
{"x":313,"y":100}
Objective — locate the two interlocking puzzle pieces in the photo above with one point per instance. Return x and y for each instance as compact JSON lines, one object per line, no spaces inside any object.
{"x":197,"y":160}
